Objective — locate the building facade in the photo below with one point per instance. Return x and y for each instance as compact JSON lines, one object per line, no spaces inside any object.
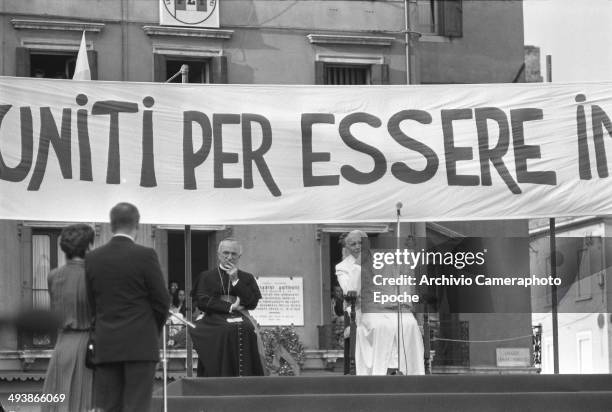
{"x":582,"y":260}
{"x":262,"y":42}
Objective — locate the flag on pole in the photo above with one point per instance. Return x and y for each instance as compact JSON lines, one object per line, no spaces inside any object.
{"x":81,"y":70}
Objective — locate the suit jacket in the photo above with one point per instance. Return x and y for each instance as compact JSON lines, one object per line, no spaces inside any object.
{"x":213,"y":283}
{"x":129,"y":301}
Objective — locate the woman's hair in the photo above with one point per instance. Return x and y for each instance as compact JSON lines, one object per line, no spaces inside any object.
{"x":75,"y":239}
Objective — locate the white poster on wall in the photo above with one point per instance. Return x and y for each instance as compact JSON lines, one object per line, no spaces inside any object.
{"x":513,"y":357}
{"x":193,"y":13}
{"x":282,"y":302}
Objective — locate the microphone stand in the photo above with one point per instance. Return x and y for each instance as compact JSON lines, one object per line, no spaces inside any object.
{"x":165,"y":354}
{"x":351,"y":298}
{"x":182,"y":320}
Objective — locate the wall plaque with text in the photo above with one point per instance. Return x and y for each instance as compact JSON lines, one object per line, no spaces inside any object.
{"x":282,"y":302}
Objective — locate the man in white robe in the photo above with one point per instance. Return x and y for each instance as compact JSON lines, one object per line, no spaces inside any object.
{"x":376,"y":335}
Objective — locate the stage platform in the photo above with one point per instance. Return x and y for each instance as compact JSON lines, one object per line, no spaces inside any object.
{"x":431,"y":393}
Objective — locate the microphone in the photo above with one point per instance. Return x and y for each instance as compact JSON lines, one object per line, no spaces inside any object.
{"x":398,"y":206}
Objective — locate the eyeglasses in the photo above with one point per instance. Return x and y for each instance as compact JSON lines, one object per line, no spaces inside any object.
{"x":230,"y":254}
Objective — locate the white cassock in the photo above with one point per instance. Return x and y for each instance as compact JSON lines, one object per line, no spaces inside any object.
{"x":376,"y":346}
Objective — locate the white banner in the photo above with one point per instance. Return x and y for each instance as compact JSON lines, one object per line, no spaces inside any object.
{"x":238,"y":154}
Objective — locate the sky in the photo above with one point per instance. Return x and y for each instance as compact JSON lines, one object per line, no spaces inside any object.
{"x":576,"y":33}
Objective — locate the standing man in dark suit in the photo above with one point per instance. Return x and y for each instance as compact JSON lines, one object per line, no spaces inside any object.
{"x":130,"y":304}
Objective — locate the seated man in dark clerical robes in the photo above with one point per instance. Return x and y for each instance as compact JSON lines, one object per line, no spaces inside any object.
{"x":226,"y":337}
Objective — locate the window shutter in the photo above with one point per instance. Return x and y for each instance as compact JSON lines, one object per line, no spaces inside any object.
{"x":218,"y":70}
{"x":379,"y":74}
{"x":159,"y":68}
{"x":92,"y":58}
{"x":22,"y":60}
{"x":452,"y":18}
{"x":319,"y":73}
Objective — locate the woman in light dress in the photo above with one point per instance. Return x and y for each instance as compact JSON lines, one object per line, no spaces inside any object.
{"x":67,"y":373}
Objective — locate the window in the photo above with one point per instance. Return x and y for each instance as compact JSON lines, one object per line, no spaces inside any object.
{"x":351,"y":71}
{"x":548,"y":363}
{"x":584,"y":348}
{"x":51,"y":63}
{"x":46,"y":255}
{"x":440,"y":17}
{"x":201,"y":69}
{"x":57,"y":66}
{"x":338,"y":74}
{"x":331,"y":254}
{"x":176,"y":255}
{"x":428,"y":11}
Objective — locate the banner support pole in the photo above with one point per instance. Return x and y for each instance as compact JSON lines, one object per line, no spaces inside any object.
{"x":400,"y":334}
{"x":189,"y":308}
{"x":553,"y":260}
{"x":188,"y":279}
{"x":165,"y":367}
{"x":555,"y":315}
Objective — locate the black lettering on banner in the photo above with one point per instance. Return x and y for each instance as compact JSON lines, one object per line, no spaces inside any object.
{"x":192,"y":159}
{"x":494,"y":154}
{"x":309,"y":157}
{"x":84,"y":146}
{"x":19,"y":172}
{"x":380,"y":163}
{"x":113,"y":108}
{"x":256,"y":157}
{"x":522,"y":152}
{"x":147,"y":170}
{"x":402,"y":171}
{"x":454,"y":154}
{"x":584,"y":161}
{"x":222,"y":157}
{"x":599,"y":119}
{"x":49,"y":136}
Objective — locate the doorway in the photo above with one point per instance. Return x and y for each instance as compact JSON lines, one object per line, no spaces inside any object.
{"x":176,"y":256}
{"x":332,"y":255}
